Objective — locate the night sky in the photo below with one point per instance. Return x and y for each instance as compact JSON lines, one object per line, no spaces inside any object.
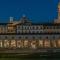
{"x":36,"y":10}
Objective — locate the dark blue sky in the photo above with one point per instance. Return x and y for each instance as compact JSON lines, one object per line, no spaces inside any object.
{"x":37,"y":10}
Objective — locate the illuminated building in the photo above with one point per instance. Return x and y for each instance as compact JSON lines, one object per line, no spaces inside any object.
{"x":25,"y":34}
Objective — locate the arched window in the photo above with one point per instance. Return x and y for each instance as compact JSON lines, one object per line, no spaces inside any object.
{"x":46,"y":43}
{"x":19,"y":44}
{"x":33,"y":27}
{"x":13,"y":44}
{"x":58,"y":43}
{"x":1,"y":43}
{"x":40,"y":43}
{"x":33,"y":44}
{"x":6,"y":43}
{"x":53,"y":43}
{"x":25,"y":43}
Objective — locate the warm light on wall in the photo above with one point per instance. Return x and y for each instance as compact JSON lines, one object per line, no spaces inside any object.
{"x":46,"y":43}
{"x":1,"y":43}
{"x":29,"y":44}
{"x":33,"y":44}
{"x":19,"y":43}
{"x":25,"y":43}
{"x":40,"y":43}
{"x":6,"y":43}
{"x":13,"y":43}
{"x":54,"y":43}
{"x":58,"y":43}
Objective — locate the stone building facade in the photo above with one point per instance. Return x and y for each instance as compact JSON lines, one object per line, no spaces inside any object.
{"x":25,"y":34}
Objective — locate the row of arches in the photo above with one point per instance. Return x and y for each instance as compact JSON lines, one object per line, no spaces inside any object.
{"x":29,"y":44}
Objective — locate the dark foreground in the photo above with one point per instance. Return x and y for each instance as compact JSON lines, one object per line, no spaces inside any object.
{"x":39,"y":56}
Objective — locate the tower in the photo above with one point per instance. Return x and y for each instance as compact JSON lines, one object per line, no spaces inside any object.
{"x":58,"y":18}
{"x":11,"y":19}
{"x":59,"y":10}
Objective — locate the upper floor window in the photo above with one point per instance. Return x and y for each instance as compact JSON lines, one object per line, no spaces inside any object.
{"x":44,"y":27}
{"x":33,"y":27}
{"x":41,"y":27}
{"x":50,"y":27}
{"x":25,"y":27}
{"x":37,"y":32}
{"x":19,"y":27}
